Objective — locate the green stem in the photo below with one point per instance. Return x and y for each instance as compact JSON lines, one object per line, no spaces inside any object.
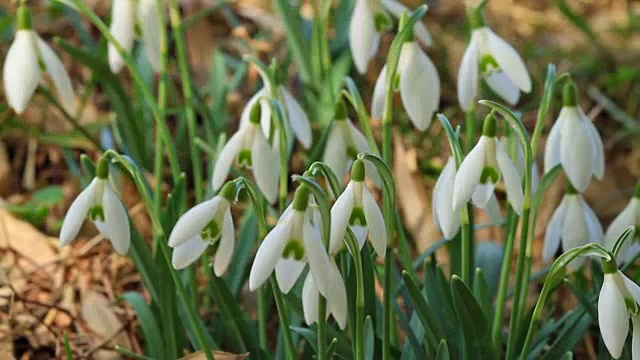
{"x":283,"y":311}
{"x":262,"y":318}
{"x":511,"y":227}
{"x":162,"y":103}
{"x":470,"y":127}
{"x":84,"y":9}
{"x":322,"y":314}
{"x":466,"y":245}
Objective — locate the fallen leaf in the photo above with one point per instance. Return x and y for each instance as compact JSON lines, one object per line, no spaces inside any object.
{"x":102,"y":321}
{"x":26,"y":240}
{"x":218,"y":355}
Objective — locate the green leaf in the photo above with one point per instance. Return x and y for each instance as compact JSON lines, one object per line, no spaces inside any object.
{"x":369,"y":344}
{"x":481,"y":292}
{"x":489,"y":258}
{"x":421,"y":306}
{"x":153,"y":343}
{"x":293,"y":23}
{"x":67,"y":347}
{"x":569,"y":337}
{"x":247,"y":239}
{"x":577,"y":20}
{"x":443,"y":351}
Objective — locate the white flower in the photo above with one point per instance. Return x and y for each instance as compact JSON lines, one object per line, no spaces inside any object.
{"x":498,"y":63}
{"x":618,"y":301}
{"x":100,"y":204}
{"x":480,"y":171}
{"x":123,"y":22}
{"x":575,"y":223}
{"x":357,"y":208}
{"x":575,"y":143}
{"x":249,"y":147}
{"x":336,"y":302}
{"x":287,"y":248}
{"x":519,"y":160}
{"x":419,"y":86}
{"x":22,"y":67}
{"x":208,"y":223}
{"x":630,"y":216}
{"x":368,"y":19}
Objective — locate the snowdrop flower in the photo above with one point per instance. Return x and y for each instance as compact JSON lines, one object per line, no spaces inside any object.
{"x":519,"y":161}
{"x":357,"y":208}
{"x":575,"y":223}
{"x":575,"y":143}
{"x":22,"y":71}
{"x":99,"y":204}
{"x":124,"y":14}
{"x":618,"y":301}
{"x":336,"y":302}
{"x":498,"y":63}
{"x":419,"y":86}
{"x":369,"y":18}
{"x":444,"y":217}
{"x":288,"y":247}
{"x":630,"y":216}
{"x":480,"y":171}
{"x":209,"y":223}
{"x":295,"y":115}
{"x":250,"y":148}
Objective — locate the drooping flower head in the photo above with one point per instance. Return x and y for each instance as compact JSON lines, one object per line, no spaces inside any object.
{"x":418,"y":83}
{"x":575,"y":143}
{"x":357,"y":208}
{"x":630,"y":216}
{"x":98,"y":203}
{"x":289,"y":246}
{"x":480,"y":171}
{"x":206,"y":224}
{"x":574,"y":223}
{"x":369,"y":18}
{"x":22,"y":72}
{"x":336,"y":302}
{"x":250,"y":148}
{"x":491,"y":58}
{"x":124,"y":15}
{"x":618,"y":302}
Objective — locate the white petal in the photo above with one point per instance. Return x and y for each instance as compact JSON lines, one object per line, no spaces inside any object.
{"x":123,"y":17}
{"x":552,"y":147}
{"x":191,"y":223}
{"x":448,"y":220}
{"x":598,"y":148}
{"x":575,"y":152}
{"x":225,"y":159}
{"x":575,"y":232}
{"x":225,"y":250}
{"x":596,"y":234}
{"x":360,"y":233}
{"x":535,"y":177}
{"x":554,"y":231}
{"x":420,"y":30}
{"x":269,"y":253}
{"x":469,"y":173}
{"x":482,"y":194}
{"x":21,"y":70}
{"x":419,"y":85}
{"x":631,"y":286}
{"x":335,"y":151}
{"x":116,"y":221}
{"x":265,"y":112}
{"x":340,"y":214}
{"x":287,"y":273}
{"x":150,"y":23}
{"x":58,"y":74}
{"x":613,"y":318}
{"x":379,"y":92}
{"x":77,"y":213}
{"x":492,"y":209}
{"x":264,"y":160}
{"x":317,"y":257}
{"x":310,"y":297}
{"x":627,"y":217}
{"x":468,"y":77}
{"x":188,"y":252}
{"x":362,"y":145}
{"x":362,"y":35}
{"x":512,"y":179}
{"x":509,"y":60}
{"x":502,"y":85}
{"x":375,"y":223}
{"x":337,"y":301}
{"x":297,"y":118}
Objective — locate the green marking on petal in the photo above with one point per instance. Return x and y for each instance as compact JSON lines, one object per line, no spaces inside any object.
{"x":352,"y":152}
{"x":293,"y":249}
{"x":357,"y":217}
{"x":96,"y":213}
{"x":382,"y":21}
{"x":244,"y":158}
{"x":489,"y":175}
{"x":211,"y":232}
{"x":488,"y":64}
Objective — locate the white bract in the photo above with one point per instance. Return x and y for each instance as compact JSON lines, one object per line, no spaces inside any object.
{"x":250,"y":148}
{"x":629,"y":216}
{"x":481,"y":170}
{"x":491,"y":58}
{"x":22,"y":72}
{"x":99,"y":204}
{"x":357,"y":208}
{"x":418,"y":83}
{"x":124,"y":15}
{"x":368,"y":19}
{"x":336,"y":302}
{"x":575,"y":223}
{"x":618,"y":301}
{"x":208,"y":223}
{"x":289,"y":246}
{"x":575,"y":143}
